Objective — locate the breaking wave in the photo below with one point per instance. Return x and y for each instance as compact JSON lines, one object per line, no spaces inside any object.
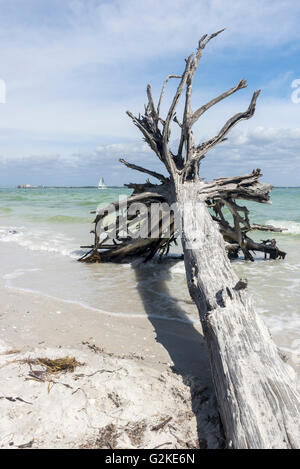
{"x":39,"y":240}
{"x":292,"y":227}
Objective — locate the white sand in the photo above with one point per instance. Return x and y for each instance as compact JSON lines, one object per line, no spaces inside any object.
{"x":140,"y":375}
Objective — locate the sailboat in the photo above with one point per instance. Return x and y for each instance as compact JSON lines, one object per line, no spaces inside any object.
{"x":101,"y":184}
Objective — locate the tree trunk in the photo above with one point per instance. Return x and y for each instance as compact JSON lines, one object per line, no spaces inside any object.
{"x":256,"y":390}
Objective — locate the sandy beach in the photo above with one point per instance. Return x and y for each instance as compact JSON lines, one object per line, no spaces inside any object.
{"x":136,"y":321}
{"x":135,"y":387}
{"x":149,"y":226}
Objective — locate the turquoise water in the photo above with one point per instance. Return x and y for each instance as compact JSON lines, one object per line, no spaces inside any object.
{"x":73,"y":205}
{"x":41,"y":231}
{"x":55,"y":205}
{"x":285,"y":207}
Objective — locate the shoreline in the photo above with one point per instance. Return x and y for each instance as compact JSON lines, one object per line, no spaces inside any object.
{"x":136,"y":322}
{"x":151,"y":365}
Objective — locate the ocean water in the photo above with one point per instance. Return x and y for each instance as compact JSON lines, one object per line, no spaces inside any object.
{"x":41,"y":231}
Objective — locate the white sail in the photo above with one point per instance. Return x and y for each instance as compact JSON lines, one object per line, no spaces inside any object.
{"x":101,"y":184}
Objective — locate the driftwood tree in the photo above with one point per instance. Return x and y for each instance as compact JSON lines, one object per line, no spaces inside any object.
{"x":118,"y":242}
{"x":257,"y":397}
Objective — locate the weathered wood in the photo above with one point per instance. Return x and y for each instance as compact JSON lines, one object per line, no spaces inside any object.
{"x":238,"y":233}
{"x":256,"y":390}
{"x":219,"y":193}
{"x":143,"y":170}
{"x":257,"y":396}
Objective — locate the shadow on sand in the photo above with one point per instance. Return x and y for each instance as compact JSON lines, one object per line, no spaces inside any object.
{"x":184,"y":343}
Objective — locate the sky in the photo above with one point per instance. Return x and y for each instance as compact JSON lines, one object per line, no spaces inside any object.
{"x":70,"y":69}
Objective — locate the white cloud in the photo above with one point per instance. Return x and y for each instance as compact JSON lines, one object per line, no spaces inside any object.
{"x":123,"y":148}
{"x":275,"y":151}
{"x":72,"y":69}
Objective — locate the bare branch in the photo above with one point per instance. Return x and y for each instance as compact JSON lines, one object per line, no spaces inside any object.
{"x":167,"y":155}
{"x":202,"y":43}
{"x":256,"y":174}
{"x":143,"y":170}
{"x":154,"y":114}
{"x":235,"y":209}
{"x":175,"y":119}
{"x":148,"y":124}
{"x":163,"y":90}
{"x":197,"y":114}
{"x":176,"y":98}
{"x":245,"y":187}
{"x":204,"y":147}
{"x":149,"y":138}
{"x":187,"y":137}
{"x":257,"y":227}
{"x":140,"y":197}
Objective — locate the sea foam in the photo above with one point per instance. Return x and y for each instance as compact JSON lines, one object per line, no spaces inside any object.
{"x":292,"y":227}
{"x":39,"y":240}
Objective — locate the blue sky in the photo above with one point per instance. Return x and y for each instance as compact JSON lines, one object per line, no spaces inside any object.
{"x":73,"y":67}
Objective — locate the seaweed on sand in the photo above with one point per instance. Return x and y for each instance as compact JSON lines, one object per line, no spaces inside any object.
{"x":54,"y":366}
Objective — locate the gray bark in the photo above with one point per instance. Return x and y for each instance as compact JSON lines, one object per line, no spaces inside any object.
{"x":256,"y":390}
